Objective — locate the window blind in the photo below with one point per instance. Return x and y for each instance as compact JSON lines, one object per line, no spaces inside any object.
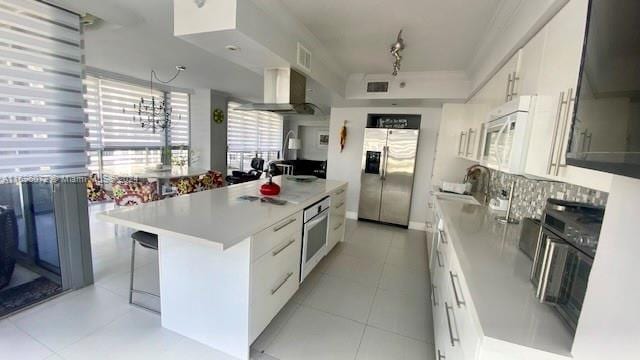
{"x":253,"y":131}
{"x":179,"y":103}
{"x":42,"y":123}
{"x":119,"y":129}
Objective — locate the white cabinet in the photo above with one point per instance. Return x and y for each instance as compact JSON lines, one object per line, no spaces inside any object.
{"x":530,"y":62}
{"x":275,"y":273}
{"x":471,"y":132}
{"x":456,"y":334}
{"x":337,"y":219}
{"x":556,"y":88}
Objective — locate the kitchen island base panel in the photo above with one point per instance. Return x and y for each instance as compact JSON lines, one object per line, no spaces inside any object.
{"x":216,"y":311}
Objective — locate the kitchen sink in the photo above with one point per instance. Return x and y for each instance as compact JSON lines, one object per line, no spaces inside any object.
{"x":466,"y":199}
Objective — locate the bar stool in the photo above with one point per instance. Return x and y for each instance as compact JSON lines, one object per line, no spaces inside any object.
{"x":149,"y":241}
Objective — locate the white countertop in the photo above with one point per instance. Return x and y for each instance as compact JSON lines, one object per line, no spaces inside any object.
{"x":497,"y":274}
{"x":217,"y":215}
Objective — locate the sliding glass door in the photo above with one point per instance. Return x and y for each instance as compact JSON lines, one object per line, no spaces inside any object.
{"x":43,"y":155}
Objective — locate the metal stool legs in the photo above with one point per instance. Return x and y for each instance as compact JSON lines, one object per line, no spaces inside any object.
{"x":132,"y":290}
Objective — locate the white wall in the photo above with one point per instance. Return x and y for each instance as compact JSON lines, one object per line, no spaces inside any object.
{"x":434,"y":85}
{"x":200,"y":131}
{"x":609,"y":326}
{"x":295,"y":123}
{"x":346,"y":165}
{"x":309,"y":138}
{"x":208,"y":139}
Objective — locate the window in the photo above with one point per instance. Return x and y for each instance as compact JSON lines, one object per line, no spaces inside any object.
{"x":115,"y":139}
{"x":42,"y":123}
{"x":251,"y":134}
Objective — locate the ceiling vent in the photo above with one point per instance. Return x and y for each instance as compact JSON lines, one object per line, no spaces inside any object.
{"x":377,"y":87}
{"x":304,"y":58}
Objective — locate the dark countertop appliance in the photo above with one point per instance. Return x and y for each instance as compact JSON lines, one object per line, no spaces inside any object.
{"x":564,"y":254}
{"x":529,"y":236}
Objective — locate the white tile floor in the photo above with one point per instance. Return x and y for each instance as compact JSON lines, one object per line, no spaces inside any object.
{"x":367,"y":300}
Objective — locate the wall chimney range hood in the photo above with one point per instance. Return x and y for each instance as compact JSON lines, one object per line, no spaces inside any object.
{"x":284,"y":93}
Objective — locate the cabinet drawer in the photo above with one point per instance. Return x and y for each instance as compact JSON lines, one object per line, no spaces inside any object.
{"x":274,"y":279}
{"x":339,"y":197}
{"x":461,"y":315}
{"x":276,"y":235}
{"x":336,"y":230}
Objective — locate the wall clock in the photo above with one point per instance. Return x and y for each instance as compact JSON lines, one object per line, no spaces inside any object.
{"x":218,"y":116}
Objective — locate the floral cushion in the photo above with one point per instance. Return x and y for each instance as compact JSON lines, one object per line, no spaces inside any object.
{"x":134,"y":193}
{"x":95,"y":192}
{"x":211,"y":180}
{"x":186,"y":185}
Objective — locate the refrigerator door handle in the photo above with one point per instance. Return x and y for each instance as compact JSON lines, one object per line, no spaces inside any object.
{"x":386,"y":160}
{"x":383,"y":162}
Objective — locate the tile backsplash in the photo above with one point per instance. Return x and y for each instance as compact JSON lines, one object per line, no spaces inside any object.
{"x":530,"y":196}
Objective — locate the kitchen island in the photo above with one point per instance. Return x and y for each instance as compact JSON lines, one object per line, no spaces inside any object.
{"x":228,"y":265}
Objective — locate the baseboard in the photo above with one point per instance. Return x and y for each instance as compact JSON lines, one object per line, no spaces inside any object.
{"x":352,"y":215}
{"x":416,"y":225}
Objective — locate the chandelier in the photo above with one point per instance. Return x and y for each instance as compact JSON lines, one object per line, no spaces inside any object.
{"x":155,"y":114}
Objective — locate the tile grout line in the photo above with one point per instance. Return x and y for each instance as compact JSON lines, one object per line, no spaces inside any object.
{"x":34,"y":339}
{"x":95,"y":331}
{"x":277,"y":333}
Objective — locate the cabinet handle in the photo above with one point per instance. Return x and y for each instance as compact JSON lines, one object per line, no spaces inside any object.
{"x":508,"y":92}
{"x":339,"y":191}
{"x":275,"y":290}
{"x":443,"y":237}
{"x":337,"y":227}
{"x":440,"y":356}
{"x":514,"y":80}
{"x":433,"y":295}
{"x":460,"y":143}
{"x":563,"y":134}
{"x":554,"y":136}
{"x":282,"y":226}
{"x":455,"y":290}
{"x":341,"y":205}
{"x":451,"y":337}
{"x":276,"y":252}
{"x":438,"y":258}
{"x":467,"y":152}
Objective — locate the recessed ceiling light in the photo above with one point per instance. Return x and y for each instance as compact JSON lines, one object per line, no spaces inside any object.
{"x":232,"y":48}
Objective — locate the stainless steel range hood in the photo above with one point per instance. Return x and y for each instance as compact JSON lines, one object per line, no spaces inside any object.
{"x":284,"y":93}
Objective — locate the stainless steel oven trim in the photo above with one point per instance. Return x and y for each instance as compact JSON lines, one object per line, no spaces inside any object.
{"x":304,"y":265}
{"x":536,"y":254}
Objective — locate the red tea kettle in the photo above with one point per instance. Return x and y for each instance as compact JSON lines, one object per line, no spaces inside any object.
{"x":270,"y":188}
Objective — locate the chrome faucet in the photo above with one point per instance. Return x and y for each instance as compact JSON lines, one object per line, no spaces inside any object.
{"x":507,"y":219}
{"x":484,"y":171}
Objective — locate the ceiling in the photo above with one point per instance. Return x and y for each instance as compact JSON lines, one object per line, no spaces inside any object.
{"x":440,"y":34}
{"x":137,"y":36}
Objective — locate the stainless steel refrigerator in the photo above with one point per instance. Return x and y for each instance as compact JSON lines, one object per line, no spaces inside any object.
{"x":386,"y":181}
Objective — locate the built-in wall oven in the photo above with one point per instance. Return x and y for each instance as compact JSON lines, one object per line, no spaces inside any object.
{"x":564,"y":254}
{"x":314,"y":235}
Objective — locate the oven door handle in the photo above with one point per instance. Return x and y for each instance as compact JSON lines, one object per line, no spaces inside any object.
{"x":316,"y":219}
{"x":554,"y":256}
